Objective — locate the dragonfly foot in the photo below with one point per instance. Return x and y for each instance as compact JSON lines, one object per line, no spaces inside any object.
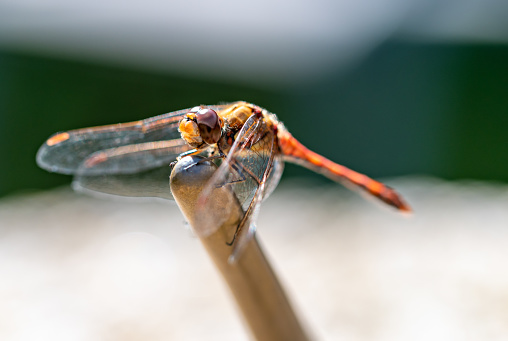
{"x":234,"y":237}
{"x":191,"y":165}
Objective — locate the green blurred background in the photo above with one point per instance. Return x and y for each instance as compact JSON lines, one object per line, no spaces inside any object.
{"x":403,"y":107}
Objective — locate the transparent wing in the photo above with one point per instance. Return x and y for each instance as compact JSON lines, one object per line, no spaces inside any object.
{"x":247,"y":227}
{"x":138,"y":170}
{"x":246,"y":170}
{"x":65,"y":152}
{"x":133,"y":158}
{"x":128,"y":159}
{"x":149,"y":183}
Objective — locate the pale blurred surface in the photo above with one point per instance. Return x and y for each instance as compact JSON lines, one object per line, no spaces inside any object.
{"x":78,"y":268}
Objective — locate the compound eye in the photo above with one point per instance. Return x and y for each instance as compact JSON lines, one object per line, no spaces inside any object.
{"x":195,"y":110}
{"x":208,"y":125}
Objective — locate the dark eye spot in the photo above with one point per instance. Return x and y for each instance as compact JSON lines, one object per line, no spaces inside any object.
{"x":208,"y":125}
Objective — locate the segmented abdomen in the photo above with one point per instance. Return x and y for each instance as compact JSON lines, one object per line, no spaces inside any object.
{"x":296,"y":152}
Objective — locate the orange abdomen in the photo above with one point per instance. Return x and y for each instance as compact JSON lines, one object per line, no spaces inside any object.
{"x":296,"y":152}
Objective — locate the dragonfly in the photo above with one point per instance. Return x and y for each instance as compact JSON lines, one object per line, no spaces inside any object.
{"x":249,"y":144}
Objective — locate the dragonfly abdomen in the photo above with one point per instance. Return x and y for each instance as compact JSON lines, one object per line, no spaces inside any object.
{"x":296,"y":152}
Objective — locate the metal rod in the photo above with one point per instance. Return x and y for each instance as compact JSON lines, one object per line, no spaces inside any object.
{"x":257,"y":291}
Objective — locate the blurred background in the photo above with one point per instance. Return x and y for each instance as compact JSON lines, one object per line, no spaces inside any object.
{"x":414,"y":92}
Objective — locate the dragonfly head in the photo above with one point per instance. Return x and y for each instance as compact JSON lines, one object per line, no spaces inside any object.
{"x":201,"y":125}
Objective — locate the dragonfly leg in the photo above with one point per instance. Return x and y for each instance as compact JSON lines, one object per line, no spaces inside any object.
{"x":240,"y":226}
{"x":250,"y":173}
{"x":188,"y":153}
{"x":239,"y":169}
{"x":254,"y":202}
{"x":253,"y":209}
{"x":209,"y":158}
{"x":241,"y":176}
{"x":197,"y":151}
{"x":247,"y":214}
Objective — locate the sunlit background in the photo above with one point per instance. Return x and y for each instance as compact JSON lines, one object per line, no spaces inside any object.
{"x":412,"y":92}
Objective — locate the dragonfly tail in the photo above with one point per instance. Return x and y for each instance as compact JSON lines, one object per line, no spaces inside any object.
{"x":296,"y":152}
